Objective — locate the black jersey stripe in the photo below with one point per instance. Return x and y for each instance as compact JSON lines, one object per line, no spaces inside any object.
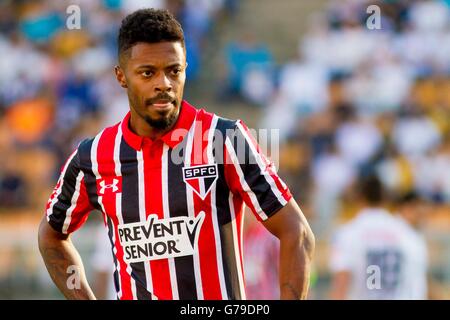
{"x":63,"y":199}
{"x":184,"y":266}
{"x":130,"y":210}
{"x":224,"y":215}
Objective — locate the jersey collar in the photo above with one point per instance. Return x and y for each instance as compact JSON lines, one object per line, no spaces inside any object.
{"x":172,"y":138}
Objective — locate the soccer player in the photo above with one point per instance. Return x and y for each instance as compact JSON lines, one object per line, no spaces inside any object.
{"x":378,"y":255}
{"x":171,"y":181}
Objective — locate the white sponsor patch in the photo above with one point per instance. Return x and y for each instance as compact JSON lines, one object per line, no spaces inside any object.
{"x":160,"y":238}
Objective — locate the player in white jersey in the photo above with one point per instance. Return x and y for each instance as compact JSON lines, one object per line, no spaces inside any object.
{"x":378,"y":255}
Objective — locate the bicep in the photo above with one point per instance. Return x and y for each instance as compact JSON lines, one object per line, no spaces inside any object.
{"x":288,"y":221}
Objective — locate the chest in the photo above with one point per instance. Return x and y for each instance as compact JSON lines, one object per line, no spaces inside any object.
{"x":157,"y":182}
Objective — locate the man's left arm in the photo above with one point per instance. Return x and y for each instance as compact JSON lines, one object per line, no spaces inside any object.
{"x":253,"y":177}
{"x":297,"y":243}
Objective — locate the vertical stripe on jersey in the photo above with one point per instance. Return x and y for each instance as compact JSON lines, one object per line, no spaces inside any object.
{"x":266,"y":171}
{"x":130,"y":212}
{"x":226,"y":232}
{"x":213,"y":213}
{"x":180,"y":204}
{"x":143,"y":216}
{"x":74,"y":201}
{"x":112,"y":240}
{"x":94,"y":167}
{"x":59,"y":185}
{"x":205,"y":255}
{"x":236,"y":228}
{"x":153,"y":205}
{"x":109,"y":204}
{"x":103,"y":142}
{"x":241,"y":178}
{"x":126,"y":291}
{"x":166,"y":215}
{"x":206,"y":251}
{"x":228,"y":216}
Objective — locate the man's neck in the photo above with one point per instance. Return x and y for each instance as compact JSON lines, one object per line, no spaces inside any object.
{"x":140,"y":127}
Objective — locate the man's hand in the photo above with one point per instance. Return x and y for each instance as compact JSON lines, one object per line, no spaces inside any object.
{"x":297,"y":243}
{"x":61,"y":259}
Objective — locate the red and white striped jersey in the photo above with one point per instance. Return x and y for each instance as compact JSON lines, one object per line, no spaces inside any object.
{"x":173,"y":207}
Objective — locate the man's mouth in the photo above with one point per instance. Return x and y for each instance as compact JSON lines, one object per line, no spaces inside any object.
{"x":162,"y":104}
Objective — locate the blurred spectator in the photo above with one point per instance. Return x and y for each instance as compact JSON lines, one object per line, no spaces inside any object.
{"x":415,"y":135}
{"x":29,"y":120}
{"x":381,"y":89}
{"x":358,"y":140}
{"x":305,"y":85}
{"x":332,"y":174}
{"x":377,"y":255}
{"x":280,"y":115}
{"x":13,"y":191}
{"x":429,"y":16}
{"x":396,"y":172}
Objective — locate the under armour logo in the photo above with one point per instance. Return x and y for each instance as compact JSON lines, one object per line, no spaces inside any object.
{"x":113,"y":184}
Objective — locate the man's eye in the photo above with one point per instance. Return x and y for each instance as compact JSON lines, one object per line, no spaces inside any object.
{"x":176,"y":71}
{"x":147,"y":73}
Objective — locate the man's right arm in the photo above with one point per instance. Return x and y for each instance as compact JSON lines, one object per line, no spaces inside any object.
{"x":63,"y":263}
{"x":67,"y":209}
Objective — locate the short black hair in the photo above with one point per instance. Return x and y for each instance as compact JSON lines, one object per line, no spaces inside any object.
{"x":371,"y":189}
{"x":151,"y":26}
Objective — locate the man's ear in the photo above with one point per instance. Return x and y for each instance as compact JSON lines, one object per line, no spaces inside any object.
{"x":120,"y":76}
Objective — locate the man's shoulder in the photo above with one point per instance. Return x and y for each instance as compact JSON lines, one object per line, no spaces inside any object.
{"x":204,"y":114}
{"x":221,"y":123}
{"x":109,"y":132}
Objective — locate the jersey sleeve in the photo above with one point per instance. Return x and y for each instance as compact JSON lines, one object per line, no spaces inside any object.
{"x":251,"y":175}
{"x":68,"y":206}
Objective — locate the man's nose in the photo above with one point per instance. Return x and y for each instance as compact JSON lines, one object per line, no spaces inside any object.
{"x":163,"y":83}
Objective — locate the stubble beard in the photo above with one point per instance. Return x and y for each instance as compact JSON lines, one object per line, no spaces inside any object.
{"x":164,"y":122}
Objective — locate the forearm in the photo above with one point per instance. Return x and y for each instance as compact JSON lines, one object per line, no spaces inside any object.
{"x":65,"y":267}
{"x":297,"y":244}
{"x":295,"y":267}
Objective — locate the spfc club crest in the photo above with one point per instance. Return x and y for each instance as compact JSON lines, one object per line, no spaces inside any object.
{"x":200,"y":178}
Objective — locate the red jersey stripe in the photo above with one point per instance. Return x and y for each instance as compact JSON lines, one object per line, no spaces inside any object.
{"x":105,"y":163}
{"x":211,"y":262}
{"x":153,"y":205}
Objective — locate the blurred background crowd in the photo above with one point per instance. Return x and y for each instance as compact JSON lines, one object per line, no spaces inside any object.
{"x":349,"y":101}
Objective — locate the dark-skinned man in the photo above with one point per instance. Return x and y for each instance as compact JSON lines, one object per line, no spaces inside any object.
{"x":171,"y":182}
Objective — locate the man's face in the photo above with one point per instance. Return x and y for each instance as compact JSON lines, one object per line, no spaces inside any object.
{"x":154,"y":76}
